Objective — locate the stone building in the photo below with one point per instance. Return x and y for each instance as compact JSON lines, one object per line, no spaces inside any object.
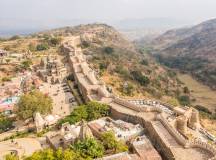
{"x":51,"y":67}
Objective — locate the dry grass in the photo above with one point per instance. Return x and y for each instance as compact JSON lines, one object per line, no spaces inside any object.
{"x":116,"y":82}
{"x":204,"y":95}
{"x":209,"y":125}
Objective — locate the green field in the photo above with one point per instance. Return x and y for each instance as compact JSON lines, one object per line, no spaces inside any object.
{"x":204,"y":95}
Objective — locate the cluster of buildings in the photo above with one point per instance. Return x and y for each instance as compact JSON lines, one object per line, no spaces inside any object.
{"x":9,"y":93}
{"x":51,"y":67}
{"x":124,"y":131}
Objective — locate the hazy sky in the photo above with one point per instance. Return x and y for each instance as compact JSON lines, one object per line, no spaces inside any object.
{"x":46,"y":13}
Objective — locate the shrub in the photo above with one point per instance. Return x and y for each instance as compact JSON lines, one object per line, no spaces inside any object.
{"x":89,"y":112}
{"x":6,"y":79}
{"x":26,"y":64}
{"x":108,"y":50}
{"x":122,"y":71}
{"x":110,"y":142}
{"x":5,"y":123}
{"x":11,"y":157}
{"x":203,"y":109}
{"x":103,"y":66}
{"x":55,"y":41}
{"x":49,"y":154}
{"x":184,"y":100}
{"x":143,"y":80}
{"x":89,"y":148}
{"x":85,"y":44}
{"x":186,"y":90}
{"x":41,"y":47}
{"x":144,"y":62}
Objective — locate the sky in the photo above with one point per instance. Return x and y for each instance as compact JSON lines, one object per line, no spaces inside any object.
{"x":32,"y":14}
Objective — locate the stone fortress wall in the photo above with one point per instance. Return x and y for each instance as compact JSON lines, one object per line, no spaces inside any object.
{"x":93,"y":89}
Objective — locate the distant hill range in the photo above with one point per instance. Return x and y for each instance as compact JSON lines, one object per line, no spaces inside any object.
{"x":190,"y":49}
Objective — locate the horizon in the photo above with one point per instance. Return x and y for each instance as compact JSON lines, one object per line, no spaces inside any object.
{"x":29,"y":16}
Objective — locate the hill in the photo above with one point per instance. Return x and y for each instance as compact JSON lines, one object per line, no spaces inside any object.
{"x":191,"y":50}
{"x":130,"y":71}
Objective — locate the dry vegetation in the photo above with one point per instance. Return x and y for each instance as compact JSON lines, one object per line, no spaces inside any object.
{"x":202,"y":94}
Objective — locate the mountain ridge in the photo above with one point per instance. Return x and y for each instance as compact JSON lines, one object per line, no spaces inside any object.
{"x":190,"y":49}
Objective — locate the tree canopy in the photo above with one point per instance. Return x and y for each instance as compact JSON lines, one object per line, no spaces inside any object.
{"x":42,"y":46}
{"x":11,"y":157}
{"x":55,"y":41}
{"x":5,"y":123}
{"x":108,"y":50}
{"x":60,"y":154}
{"x":138,"y":76}
{"x":110,"y":142}
{"x":33,"y":102}
{"x":26,"y":64}
{"x":88,"y":112}
{"x":89,"y":148}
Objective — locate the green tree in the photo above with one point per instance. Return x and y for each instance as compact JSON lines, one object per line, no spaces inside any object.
{"x":184,"y":100}
{"x":26,"y":64}
{"x":11,"y":157}
{"x":89,"y":148}
{"x":42,"y":46}
{"x":110,"y":142}
{"x":6,"y":79}
{"x":46,"y":154}
{"x":85,"y":44}
{"x":138,"y":76}
{"x":7,"y":60}
{"x":5,"y":123}
{"x":96,"y":110}
{"x":55,"y":41}
{"x":186,"y":90}
{"x":77,"y":115}
{"x":49,"y":154}
{"x":33,"y":102}
{"x":122,"y":71}
{"x":108,"y":50}
{"x":90,"y":111}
